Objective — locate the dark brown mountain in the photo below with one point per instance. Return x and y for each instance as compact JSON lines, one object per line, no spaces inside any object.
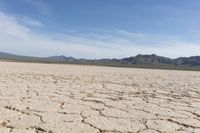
{"x":148,"y":59}
{"x":188,"y":61}
{"x":138,"y":60}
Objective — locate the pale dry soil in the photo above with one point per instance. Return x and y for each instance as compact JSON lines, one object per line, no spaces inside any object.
{"x":49,"y":98}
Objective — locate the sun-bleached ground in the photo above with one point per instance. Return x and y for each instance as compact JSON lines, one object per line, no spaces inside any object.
{"x":50,"y":98}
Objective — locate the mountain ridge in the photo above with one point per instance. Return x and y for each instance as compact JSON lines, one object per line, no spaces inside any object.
{"x":152,"y":59}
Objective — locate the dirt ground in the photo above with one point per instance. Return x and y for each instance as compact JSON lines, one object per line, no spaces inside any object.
{"x":50,"y":98}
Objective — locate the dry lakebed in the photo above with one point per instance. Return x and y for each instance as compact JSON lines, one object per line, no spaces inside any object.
{"x":56,"y":98}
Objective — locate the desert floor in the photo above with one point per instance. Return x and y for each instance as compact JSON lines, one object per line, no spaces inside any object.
{"x":52,"y":98}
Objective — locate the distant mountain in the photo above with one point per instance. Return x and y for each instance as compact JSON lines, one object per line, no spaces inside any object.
{"x":188,"y":61}
{"x":6,"y":55}
{"x":148,"y":59}
{"x":139,"y":60}
{"x":61,"y":58}
{"x":160,"y":60}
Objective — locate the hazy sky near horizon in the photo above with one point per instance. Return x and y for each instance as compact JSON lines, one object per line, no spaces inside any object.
{"x":100,"y":28}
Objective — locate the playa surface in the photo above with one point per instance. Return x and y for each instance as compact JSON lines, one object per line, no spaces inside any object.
{"x":52,"y":98}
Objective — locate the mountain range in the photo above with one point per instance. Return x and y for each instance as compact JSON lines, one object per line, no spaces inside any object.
{"x":152,"y":61}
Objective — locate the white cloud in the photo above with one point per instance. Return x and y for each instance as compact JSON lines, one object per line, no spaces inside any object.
{"x":18,"y":38}
{"x":10,"y":27}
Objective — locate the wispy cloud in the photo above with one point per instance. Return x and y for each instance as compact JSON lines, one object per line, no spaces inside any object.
{"x":19,"y":38}
{"x":40,"y":6}
{"x":2,"y":5}
{"x":130,"y":34}
{"x":31,"y":22}
{"x":10,"y":27}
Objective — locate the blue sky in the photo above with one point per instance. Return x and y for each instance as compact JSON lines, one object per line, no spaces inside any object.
{"x":100,"y":28}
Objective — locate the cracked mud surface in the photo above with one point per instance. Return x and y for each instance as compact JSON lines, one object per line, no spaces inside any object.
{"x":49,"y":98}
